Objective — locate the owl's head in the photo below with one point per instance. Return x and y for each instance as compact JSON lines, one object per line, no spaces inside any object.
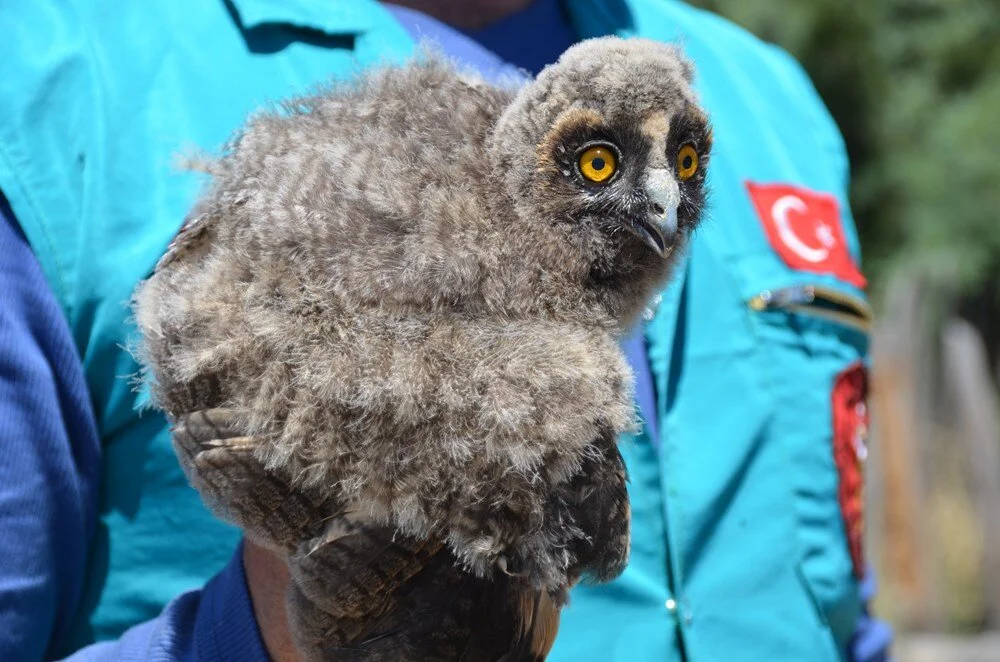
{"x":611,"y":146}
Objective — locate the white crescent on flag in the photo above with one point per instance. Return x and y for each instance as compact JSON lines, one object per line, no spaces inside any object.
{"x":779,"y":212}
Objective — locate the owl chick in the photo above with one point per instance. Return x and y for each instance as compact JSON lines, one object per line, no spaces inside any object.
{"x":386,"y":339}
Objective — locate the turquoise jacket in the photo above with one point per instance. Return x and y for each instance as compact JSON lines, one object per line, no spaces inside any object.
{"x":741,"y":549}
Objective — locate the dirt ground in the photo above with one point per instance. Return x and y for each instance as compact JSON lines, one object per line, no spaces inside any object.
{"x":947,"y":648}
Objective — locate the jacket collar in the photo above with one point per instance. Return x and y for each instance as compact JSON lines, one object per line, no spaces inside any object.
{"x":330,"y":16}
{"x":596,"y":18}
{"x":589,"y":17}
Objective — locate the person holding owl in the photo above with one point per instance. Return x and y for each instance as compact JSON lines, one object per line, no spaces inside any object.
{"x":740,"y":547}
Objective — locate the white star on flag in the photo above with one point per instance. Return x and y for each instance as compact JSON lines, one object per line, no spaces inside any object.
{"x":825,"y":235}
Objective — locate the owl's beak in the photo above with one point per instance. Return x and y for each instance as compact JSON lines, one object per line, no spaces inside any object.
{"x":658,"y":228}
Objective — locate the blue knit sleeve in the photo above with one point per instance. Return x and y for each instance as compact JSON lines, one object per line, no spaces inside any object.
{"x":211,"y":624}
{"x":49,"y":458}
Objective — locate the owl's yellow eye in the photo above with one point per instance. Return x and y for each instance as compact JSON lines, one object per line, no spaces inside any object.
{"x":598,"y":164}
{"x":687,"y":162}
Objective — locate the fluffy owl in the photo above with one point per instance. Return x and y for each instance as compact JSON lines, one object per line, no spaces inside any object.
{"x":387,"y":339}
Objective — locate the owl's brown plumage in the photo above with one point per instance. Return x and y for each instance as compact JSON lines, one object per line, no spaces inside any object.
{"x":387,"y":339}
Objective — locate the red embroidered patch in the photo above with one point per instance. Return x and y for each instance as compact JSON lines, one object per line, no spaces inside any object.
{"x":850,"y":430}
{"x":805,"y":229}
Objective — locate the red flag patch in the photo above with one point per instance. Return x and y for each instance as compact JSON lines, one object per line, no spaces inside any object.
{"x":805,"y":229}
{"x":850,"y":432}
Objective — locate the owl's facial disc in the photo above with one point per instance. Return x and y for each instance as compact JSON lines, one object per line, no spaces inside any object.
{"x":632,"y":183}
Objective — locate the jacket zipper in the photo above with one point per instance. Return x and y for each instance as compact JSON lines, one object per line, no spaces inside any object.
{"x":818,"y":301}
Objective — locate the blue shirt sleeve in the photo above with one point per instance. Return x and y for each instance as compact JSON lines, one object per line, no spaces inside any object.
{"x":454,"y":44}
{"x":872,"y":641}
{"x":49,"y":458}
{"x":214,"y":623}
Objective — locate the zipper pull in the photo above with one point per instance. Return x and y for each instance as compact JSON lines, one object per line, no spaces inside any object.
{"x":801,"y":295}
{"x":817,"y":301}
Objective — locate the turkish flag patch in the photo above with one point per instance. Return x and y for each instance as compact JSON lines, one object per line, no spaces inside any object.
{"x":804,"y":228}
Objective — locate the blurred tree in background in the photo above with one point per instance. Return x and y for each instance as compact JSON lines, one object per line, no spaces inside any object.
{"x":915,"y":88}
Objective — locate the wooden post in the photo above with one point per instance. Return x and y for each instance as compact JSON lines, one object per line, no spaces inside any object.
{"x":901,"y":438}
{"x":967,"y":375}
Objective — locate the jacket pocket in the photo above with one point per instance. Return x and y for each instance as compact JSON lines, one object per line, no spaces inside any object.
{"x":819,"y":301}
{"x":814,"y":336}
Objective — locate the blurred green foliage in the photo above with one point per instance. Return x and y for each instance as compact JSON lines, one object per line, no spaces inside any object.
{"x":915,"y":88}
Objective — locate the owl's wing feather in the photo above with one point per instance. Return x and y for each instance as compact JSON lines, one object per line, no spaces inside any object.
{"x":359,"y":590}
{"x":220,"y":463}
{"x":372,"y":595}
{"x":191,"y":235}
{"x":599,"y":500}
{"x":194,"y":231}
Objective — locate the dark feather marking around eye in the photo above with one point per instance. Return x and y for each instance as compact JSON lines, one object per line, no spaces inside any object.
{"x":626,"y":141}
{"x":685,"y":128}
